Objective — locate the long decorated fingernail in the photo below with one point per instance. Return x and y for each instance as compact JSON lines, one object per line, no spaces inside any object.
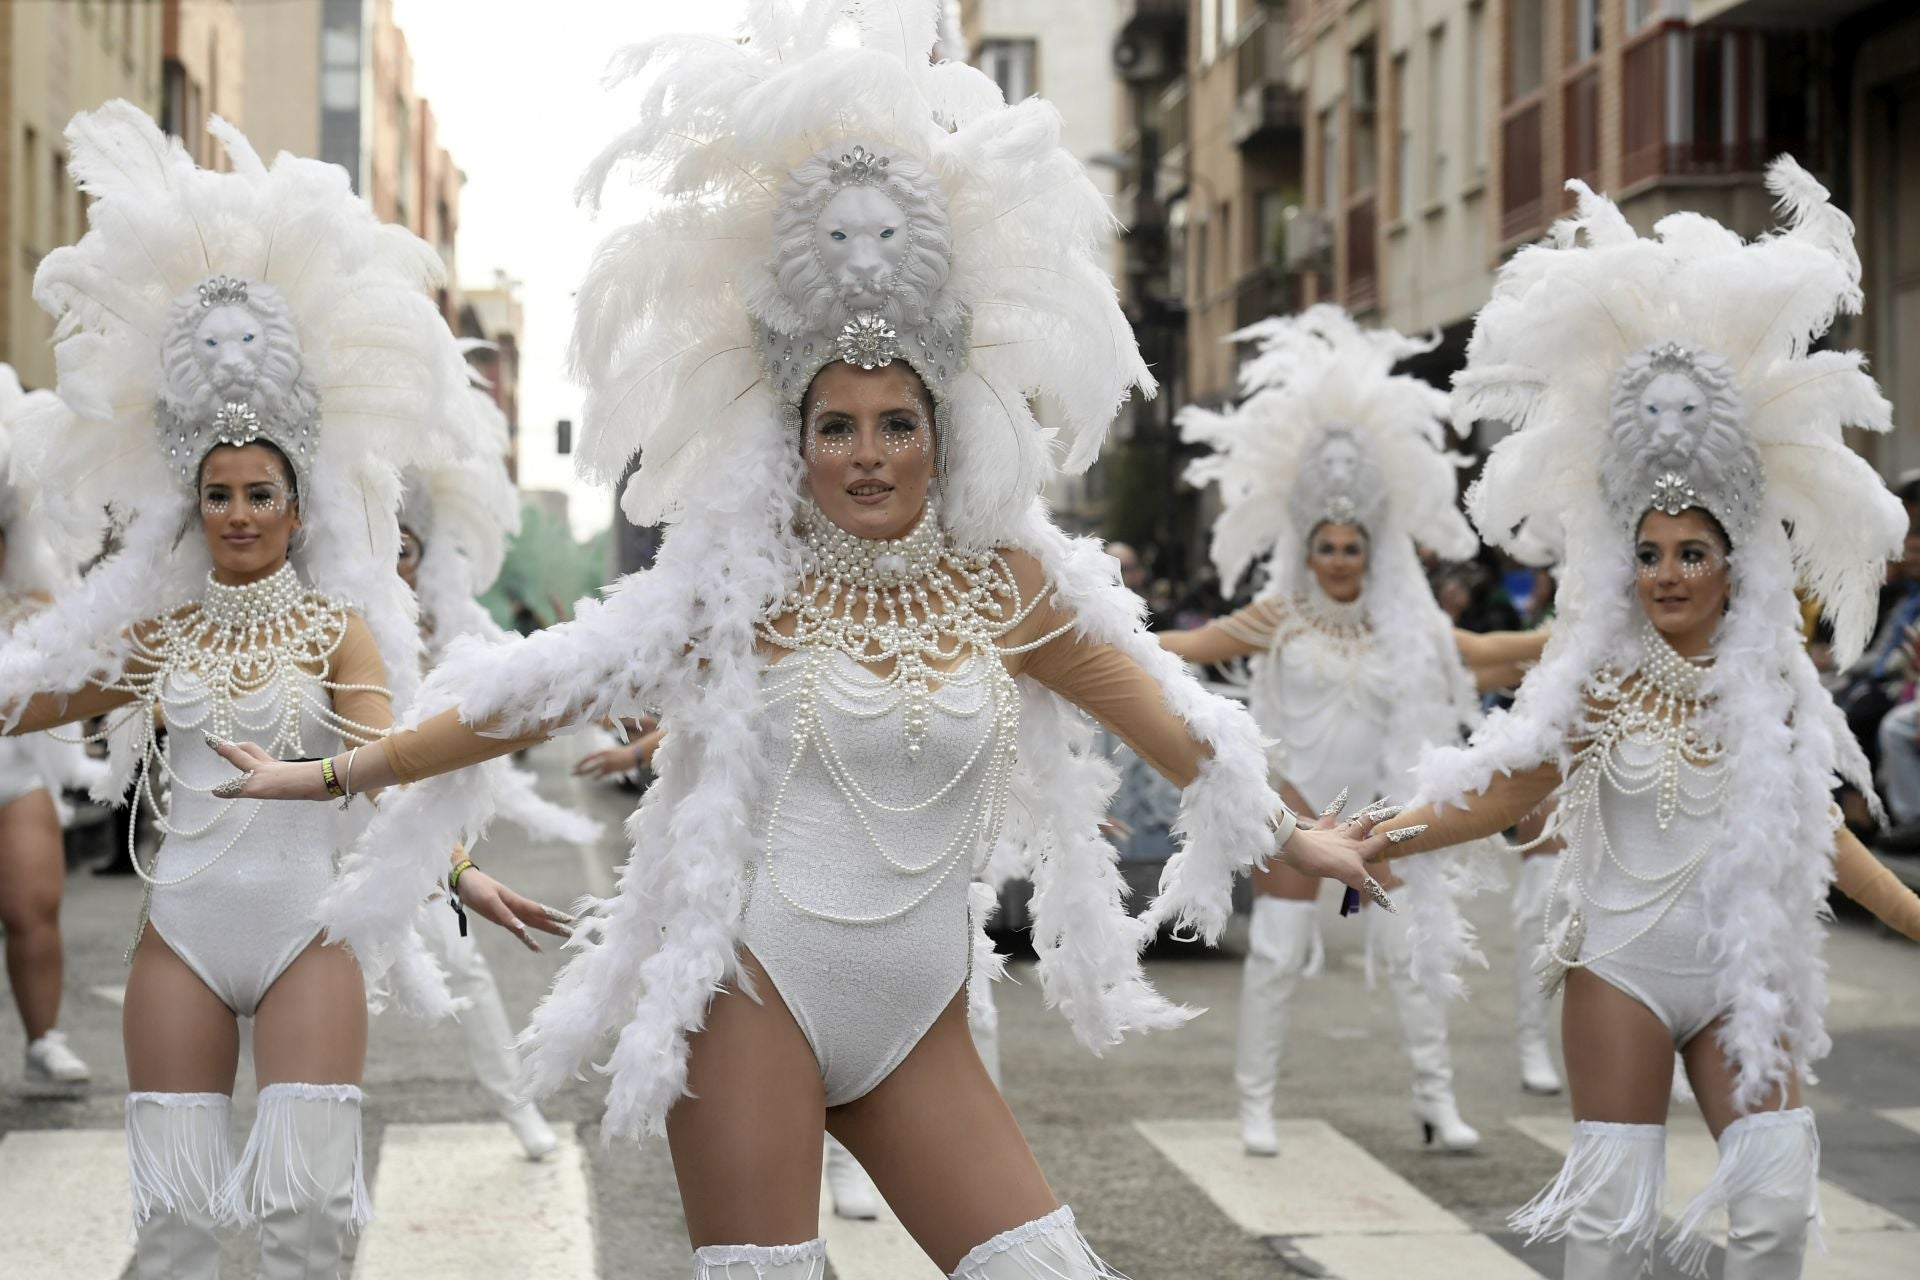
{"x":215,"y":741}
{"x":1405,"y":833}
{"x":232,"y":787}
{"x":1377,"y":806}
{"x":1387,"y":812}
{"x":1339,"y":803}
{"x":558,"y":917}
{"x":1379,"y":895}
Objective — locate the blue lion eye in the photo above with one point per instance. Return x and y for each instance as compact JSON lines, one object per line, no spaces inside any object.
{"x":838,"y":235}
{"x":212,"y":343}
{"x":248,"y":338}
{"x":887,"y":234}
{"x":1653,"y":411}
{"x":1688,"y":409}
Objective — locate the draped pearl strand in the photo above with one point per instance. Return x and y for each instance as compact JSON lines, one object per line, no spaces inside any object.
{"x":916,"y":616}
{"x":1658,"y":703}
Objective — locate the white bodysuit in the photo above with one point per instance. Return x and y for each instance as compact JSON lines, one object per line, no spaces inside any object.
{"x":867,"y":854}
{"x":236,"y":882}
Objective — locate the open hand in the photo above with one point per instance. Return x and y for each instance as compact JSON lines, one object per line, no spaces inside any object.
{"x":262,"y":777}
{"x":1340,"y":850}
{"x":481,"y":894}
{"x":610,"y":762}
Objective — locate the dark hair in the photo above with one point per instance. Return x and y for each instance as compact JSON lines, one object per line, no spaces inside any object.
{"x":293,"y":477}
{"x":1713,"y":522}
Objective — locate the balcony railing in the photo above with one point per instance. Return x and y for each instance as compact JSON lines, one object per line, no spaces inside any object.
{"x":1265,"y":110}
{"x":1363,"y":227}
{"x":1709,"y":130}
{"x":1265,"y":291}
{"x":1522,"y":209}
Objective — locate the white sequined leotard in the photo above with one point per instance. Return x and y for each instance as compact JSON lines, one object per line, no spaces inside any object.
{"x":868,"y":851}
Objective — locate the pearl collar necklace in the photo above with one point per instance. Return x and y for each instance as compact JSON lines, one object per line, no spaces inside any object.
{"x":872,"y":562}
{"x":250,"y":605}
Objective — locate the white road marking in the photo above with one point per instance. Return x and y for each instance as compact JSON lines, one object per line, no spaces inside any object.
{"x":1905,"y":1117}
{"x":455,"y":1201}
{"x":116,"y":996}
{"x":1337,"y":1205}
{"x":877,"y":1250}
{"x":1860,"y":1236}
{"x":63,"y":1205}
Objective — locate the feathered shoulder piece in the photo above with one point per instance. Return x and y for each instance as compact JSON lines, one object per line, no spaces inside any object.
{"x":1678,"y":371}
{"x":829,"y":193}
{"x":1327,"y":431}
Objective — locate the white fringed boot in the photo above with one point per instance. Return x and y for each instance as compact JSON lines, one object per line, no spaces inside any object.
{"x":1532,"y":1006}
{"x":853,"y":1192}
{"x":1423,"y":1033}
{"x":487,"y":1032}
{"x":761,"y":1262}
{"x":301,"y":1179}
{"x":179,"y":1160}
{"x":983,"y":1024}
{"x":1768,"y":1180}
{"x":1605,"y":1201}
{"x":1283,"y":946}
{"x":1049,"y":1248}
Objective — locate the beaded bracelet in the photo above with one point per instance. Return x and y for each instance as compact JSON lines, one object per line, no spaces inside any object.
{"x":334,"y":788}
{"x":453,"y":892}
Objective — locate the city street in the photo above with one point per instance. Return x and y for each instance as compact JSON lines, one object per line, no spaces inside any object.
{"x":1140,"y":1143}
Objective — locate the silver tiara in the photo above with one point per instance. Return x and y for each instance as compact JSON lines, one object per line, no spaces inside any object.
{"x":222,"y":291}
{"x":857,"y":167}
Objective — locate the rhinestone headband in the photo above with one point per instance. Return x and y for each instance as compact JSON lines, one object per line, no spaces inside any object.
{"x":857,"y":167}
{"x":223,"y":291}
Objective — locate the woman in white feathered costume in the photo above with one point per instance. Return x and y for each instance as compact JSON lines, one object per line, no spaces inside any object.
{"x":456,"y":516}
{"x":1678,"y":436}
{"x":243,"y":361}
{"x":1332,"y":472}
{"x":824,"y":344}
{"x":32,"y":771}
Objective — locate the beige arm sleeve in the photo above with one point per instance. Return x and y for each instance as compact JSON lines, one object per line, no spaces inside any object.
{"x":1509,"y":798}
{"x":1500,"y":648}
{"x":357,"y":662}
{"x":1102,"y":681}
{"x":1866,"y":880}
{"x":51,"y":710}
{"x":1240,"y":634}
{"x":444,"y":744}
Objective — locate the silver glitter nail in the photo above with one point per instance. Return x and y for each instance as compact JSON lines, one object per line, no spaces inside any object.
{"x":1388,"y":813}
{"x":232,"y":787}
{"x":1379,"y":895}
{"x":1405,"y":833}
{"x":1339,"y":803}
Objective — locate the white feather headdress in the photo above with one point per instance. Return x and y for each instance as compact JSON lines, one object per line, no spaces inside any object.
{"x":1317,"y":380}
{"x":361,"y":344}
{"x":463,"y":509}
{"x":1564,"y":351}
{"x":32,"y":563}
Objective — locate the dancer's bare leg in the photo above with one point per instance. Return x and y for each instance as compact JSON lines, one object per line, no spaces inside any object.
{"x":1711,"y":1073}
{"x":1619,"y":1055}
{"x":311,"y":1027}
{"x":747,"y":1141}
{"x":32,"y":870}
{"x":943,"y":1148}
{"x":179,"y":1037}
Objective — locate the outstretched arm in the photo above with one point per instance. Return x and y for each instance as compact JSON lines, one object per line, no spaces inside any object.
{"x":1498,"y":659}
{"x":51,"y":710}
{"x":1507,"y":799}
{"x":1240,"y":634}
{"x":1866,"y":880}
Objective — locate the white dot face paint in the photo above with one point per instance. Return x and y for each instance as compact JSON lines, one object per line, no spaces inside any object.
{"x":834,"y":435}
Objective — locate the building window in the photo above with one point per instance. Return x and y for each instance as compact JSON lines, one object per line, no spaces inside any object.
{"x":1402,"y":139}
{"x":1526,"y":70}
{"x":1476,"y":85}
{"x":1009,"y":63}
{"x":1363,"y":98}
{"x":1641,"y":12}
{"x":1228,"y":268}
{"x":30,"y":195}
{"x":1585,"y":29}
{"x":1434,"y":125}
{"x":1272,"y":213}
{"x":59,"y":201}
{"x":340,"y":69}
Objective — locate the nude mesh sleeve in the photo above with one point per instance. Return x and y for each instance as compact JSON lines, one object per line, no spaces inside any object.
{"x":1511,"y":797}
{"x":444,"y":744}
{"x":1866,"y":880}
{"x":1240,"y":634}
{"x":51,"y":710}
{"x":357,"y":663}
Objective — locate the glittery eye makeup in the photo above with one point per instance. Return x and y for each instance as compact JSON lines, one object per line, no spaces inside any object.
{"x":1695,"y":562}
{"x":835,"y":436}
{"x":215,"y":501}
{"x":829,"y":438}
{"x":900,"y":435}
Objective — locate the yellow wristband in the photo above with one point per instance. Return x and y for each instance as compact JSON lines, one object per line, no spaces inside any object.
{"x":453,"y":877}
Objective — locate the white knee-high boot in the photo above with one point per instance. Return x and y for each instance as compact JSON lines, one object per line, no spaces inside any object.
{"x":1423,"y":1033}
{"x":1283,"y":946}
{"x":301,"y":1179}
{"x":1049,"y":1248}
{"x":1605,"y":1202}
{"x":487,"y":1032}
{"x":761,"y":1262}
{"x":1532,"y":1007}
{"x":853,"y":1193}
{"x":1768,"y":1180}
{"x":179,"y":1160}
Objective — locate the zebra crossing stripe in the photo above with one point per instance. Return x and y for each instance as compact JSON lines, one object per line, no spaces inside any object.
{"x":1334,"y":1203}
{"x":1905,"y":1117}
{"x":455,"y":1201}
{"x":63,"y":1205}
{"x":1863,"y":1240}
{"x":876,"y":1250}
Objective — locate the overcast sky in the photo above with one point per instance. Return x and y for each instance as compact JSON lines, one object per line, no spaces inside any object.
{"x":515,"y":88}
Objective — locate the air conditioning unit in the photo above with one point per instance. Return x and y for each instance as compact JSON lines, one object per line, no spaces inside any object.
{"x":1309,"y":238}
{"x":1140,"y":60}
